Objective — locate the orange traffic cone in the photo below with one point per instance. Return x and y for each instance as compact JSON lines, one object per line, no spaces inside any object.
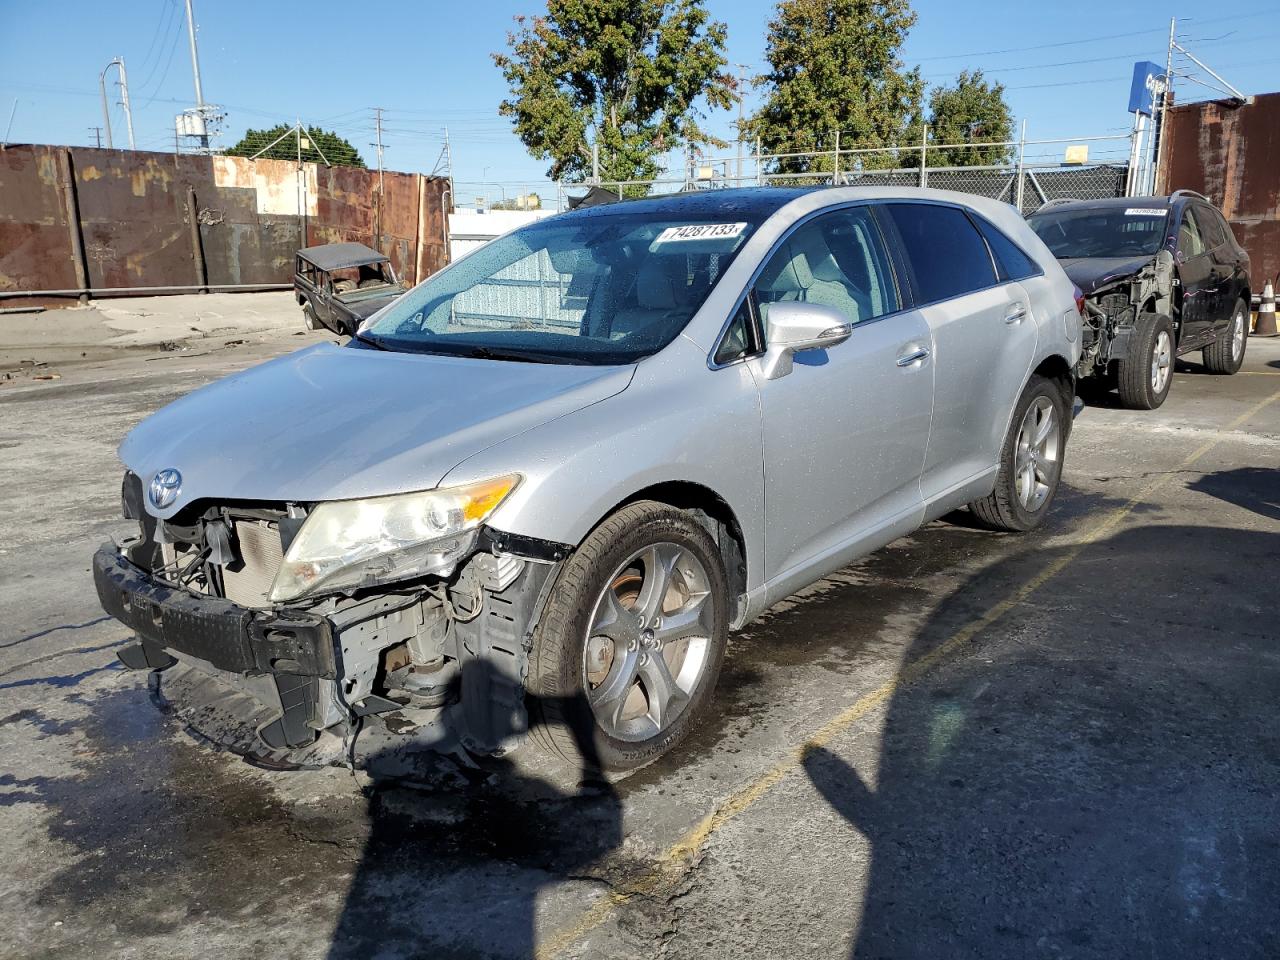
{"x":1265,"y":324}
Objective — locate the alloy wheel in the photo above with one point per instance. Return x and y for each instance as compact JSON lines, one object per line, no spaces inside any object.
{"x":647,"y":646}
{"x":1161,"y":362}
{"x":1237,"y":336}
{"x":1039,"y":445}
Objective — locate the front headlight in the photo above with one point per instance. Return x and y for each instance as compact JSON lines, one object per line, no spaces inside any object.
{"x":354,"y":543}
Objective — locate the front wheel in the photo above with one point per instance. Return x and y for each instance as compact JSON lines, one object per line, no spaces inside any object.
{"x":309,"y":318}
{"x":1146,"y":373}
{"x":1225,"y":355}
{"x":1030,"y":460}
{"x":630,"y":642}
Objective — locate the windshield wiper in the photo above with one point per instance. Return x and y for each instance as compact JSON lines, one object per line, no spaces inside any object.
{"x":371,"y":342}
{"x":489,"y":353}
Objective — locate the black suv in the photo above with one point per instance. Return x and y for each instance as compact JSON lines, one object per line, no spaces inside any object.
{"x":1160,"y":277}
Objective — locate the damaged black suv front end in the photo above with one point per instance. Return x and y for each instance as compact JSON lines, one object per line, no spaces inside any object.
{"x":435,"y":661}
{"x":1158,"y":277}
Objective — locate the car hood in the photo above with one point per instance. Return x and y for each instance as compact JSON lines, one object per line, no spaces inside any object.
{"x":1090,"y":273}
{"x":329,"y":423}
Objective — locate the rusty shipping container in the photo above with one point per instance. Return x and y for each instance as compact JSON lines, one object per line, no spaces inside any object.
{"x":1229,"y":153}
{"x":76,"y":218}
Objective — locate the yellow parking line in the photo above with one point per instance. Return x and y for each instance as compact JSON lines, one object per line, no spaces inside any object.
{"x":671,"y":862}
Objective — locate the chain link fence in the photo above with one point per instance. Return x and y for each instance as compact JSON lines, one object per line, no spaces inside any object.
{"x":1023,"y":173}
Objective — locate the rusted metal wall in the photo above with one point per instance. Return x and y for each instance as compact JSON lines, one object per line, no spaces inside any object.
{"x":1232,"y":155}
{"x":78,"y":217}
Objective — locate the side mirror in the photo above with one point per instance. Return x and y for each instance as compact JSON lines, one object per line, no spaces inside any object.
{"x":791,"y":328}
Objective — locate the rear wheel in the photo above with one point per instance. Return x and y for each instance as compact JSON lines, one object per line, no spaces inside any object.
{"x":629,"y":645}
{"x":1146,"y":374}
{"x":1225,"y":355}
{"x":1030,"y":460}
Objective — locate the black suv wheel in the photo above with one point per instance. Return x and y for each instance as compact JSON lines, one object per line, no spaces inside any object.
{"x":1225,"y":354}
{"x":1146,"y":373}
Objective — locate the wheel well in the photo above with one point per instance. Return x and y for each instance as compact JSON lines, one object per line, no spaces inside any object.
{"x":712,"y":512}
{"x":1057,"y":369}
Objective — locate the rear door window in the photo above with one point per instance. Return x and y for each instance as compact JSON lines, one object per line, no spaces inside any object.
{"x":1190,"y":239}
{"x":1211,"y":226}
{"x":1011,"y":262}
{"x":946,"y":254}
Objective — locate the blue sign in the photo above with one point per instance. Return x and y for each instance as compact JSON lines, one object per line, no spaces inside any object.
{"x":1147,"y":86}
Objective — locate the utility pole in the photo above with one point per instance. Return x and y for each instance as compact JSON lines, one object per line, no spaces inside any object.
{"x":377,"y":119}
{"x":377,"y":114}
{"x":195,"y":70}
{"x":742,"y":80}
{"x":97,"y":132}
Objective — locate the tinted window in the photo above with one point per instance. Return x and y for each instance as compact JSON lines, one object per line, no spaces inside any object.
{"x":1190,"y":240}
{"x":1101,"y":231}
{"x":1011,"y":262}
{"x":947,"y":255}
{"x":1211,"y":226}
{"x":838,"y":260}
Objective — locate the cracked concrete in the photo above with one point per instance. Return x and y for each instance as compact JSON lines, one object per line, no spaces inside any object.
{"x":1092,"y":773}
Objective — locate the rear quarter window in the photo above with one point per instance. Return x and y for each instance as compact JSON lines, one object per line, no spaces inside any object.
{"x":1011,"y":262}
{"x":944,"y":251}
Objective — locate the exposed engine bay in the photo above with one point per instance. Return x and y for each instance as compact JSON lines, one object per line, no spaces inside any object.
{"x":1112,"y":307}
{"x":438,"y":663}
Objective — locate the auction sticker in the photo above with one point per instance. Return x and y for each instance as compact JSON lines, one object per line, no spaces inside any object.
{"x":1144,"y":212}
{"x":701,"y":231}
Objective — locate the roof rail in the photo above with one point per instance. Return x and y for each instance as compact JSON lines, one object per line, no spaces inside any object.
{"x":1189,"y":193}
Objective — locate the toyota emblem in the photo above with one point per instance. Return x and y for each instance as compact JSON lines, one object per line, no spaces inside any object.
{"x":164,"y":488}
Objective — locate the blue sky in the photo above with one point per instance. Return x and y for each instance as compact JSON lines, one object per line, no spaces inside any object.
{"x":1066,"y":66}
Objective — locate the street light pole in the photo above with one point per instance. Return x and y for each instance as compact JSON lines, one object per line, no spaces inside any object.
{"x":106,"y":114}
{"x":124,"y":101}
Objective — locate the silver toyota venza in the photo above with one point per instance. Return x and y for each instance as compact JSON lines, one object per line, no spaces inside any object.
{"x":532,"y":497}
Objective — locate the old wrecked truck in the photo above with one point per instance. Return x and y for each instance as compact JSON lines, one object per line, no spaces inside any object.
{"x":1160,"y":277}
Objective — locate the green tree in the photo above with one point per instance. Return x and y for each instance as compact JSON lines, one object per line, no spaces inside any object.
{"x":971,"y":111}
{"x":629,"y":76}
{"x":339,"y":152}
{"x":834,"y":66}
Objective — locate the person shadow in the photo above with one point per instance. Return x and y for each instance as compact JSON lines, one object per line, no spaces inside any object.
{"x":457,"y":858}
{"x":1098,"y":779}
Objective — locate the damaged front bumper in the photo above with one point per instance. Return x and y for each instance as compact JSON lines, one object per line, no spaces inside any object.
{"x":290,"y":687}
{"x":295,"y":651}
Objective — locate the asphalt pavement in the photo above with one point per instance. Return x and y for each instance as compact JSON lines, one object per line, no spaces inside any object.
{"x":966,"y":745}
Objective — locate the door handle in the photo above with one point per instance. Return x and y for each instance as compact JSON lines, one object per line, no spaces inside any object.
{"x":1016,"y":313}
{"x":916,"y":355}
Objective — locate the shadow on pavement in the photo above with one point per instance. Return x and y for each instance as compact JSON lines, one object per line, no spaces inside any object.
{"x":457,"y":869}
{"x":1253,"y":488}
{"x":1100,"y":778}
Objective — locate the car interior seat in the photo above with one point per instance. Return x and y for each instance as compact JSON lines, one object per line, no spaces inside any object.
{"x":807,"y":272}
{"x":653,"y":298}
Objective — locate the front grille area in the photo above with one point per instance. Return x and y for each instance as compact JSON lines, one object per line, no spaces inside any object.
{"x":233,"y":551}
{"x":259,"y":553}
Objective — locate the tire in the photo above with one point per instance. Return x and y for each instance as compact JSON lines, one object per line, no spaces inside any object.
{"x":1015,"y":505}
{"x":1225,"y":355}
{"x":1146,"y":374}
{"x":309,"y":318}
{"x":576,"y":672}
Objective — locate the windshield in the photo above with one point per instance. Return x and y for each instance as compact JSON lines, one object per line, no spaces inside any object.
{"x":578,"y":289}
{"x":1110,"y":232}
